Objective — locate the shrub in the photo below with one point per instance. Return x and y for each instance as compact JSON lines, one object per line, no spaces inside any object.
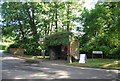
{"x":14,"y":46}
{"x":114,"y":53}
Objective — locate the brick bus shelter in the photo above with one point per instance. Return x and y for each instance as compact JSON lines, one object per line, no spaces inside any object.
{"x":62,"y":45}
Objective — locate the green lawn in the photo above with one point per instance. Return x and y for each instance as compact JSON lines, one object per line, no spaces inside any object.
{"x":112,"y":63}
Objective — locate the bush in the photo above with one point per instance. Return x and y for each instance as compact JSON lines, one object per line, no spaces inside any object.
{"x":2,"y":47}
{"x":108,"y":52}
{"x":114,"y":53}
{"x":7,"y":50}
{"x":14,"y":45}
{"x":31,"y":48}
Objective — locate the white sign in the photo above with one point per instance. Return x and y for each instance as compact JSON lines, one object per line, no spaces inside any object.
{"x":83,"y":58}
{"x":97,"y":52}
{"x":41,"y":39}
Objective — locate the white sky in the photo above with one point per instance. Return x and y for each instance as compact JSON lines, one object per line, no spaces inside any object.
{"x":89,"y":4}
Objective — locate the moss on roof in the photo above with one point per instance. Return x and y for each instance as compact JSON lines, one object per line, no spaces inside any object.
{"x":59,"y":38}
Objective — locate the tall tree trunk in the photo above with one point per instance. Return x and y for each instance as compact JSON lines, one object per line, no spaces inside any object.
{"x":48,"y":28}
{"x":32,"y":23}
{"x":56,"y":28}
{"x":33,"y":26}
{"x":52,"y":23}
{"x":45,"y":30}
{"x":68,"y":22}
{"x":21,"y":28}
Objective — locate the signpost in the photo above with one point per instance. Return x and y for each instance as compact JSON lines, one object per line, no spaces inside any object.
{"x":83,"y":58}
{"x":41,"y":40}
{"x":43,"y":53}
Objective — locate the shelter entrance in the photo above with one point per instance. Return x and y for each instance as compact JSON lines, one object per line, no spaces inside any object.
{"x":58,"y":52}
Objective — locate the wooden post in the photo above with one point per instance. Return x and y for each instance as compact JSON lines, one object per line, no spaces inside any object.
{"x":102,"y":55}
{"x":43,"y":54}
{"x":92,"y":56}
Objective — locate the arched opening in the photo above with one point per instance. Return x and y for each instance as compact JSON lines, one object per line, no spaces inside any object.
{"x":58,"y":52}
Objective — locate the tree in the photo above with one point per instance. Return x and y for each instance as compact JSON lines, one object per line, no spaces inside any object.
{"x":101,"y":29}
{"x":30,"y":20}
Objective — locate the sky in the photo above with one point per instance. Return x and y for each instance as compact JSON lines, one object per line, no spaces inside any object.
{"x":90,"y":4}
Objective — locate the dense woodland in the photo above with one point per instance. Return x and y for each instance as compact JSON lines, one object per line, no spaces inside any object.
{"x":26,"y":22}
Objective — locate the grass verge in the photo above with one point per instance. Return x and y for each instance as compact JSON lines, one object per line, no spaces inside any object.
{"x":111,"y":63}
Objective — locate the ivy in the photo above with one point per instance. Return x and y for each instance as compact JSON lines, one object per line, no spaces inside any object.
{"x":59,"y":38}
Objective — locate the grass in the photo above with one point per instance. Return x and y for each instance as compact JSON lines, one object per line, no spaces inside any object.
{"x":111,"y":63}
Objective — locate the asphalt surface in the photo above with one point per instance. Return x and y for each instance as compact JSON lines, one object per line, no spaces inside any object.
{"x":15,"y":68}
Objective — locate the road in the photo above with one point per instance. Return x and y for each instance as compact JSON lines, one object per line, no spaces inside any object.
{"x":14,"y":68}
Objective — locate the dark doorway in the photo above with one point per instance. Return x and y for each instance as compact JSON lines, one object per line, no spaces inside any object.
{"x":59,"y":52}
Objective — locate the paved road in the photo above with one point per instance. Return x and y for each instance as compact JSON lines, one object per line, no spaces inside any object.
{"x":14,"y":68}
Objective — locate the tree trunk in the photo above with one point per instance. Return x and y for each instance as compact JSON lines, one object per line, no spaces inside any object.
{"x":68,"y":22}
{"x":31,"y":22}
{"x":32,"y":25}
{"x":52,"y":23}
{"x":21,"y":28}
{"x":56,"y":28}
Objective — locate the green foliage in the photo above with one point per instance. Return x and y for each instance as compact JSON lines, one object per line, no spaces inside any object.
{"x":14,"y":45}
{"x":59,"y":38}
{"x":30,"y":47}
{"x":101,"y":30}
{"x":26,"y":22}
{"x":4,"y":46}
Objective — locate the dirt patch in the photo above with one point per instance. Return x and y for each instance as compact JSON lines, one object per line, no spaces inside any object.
{"x":31,"y":62}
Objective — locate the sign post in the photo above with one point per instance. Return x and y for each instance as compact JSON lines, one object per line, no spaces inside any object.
{"x":41,"y":40}
{"x":43,"y":53}
{"x":97,"y":52}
